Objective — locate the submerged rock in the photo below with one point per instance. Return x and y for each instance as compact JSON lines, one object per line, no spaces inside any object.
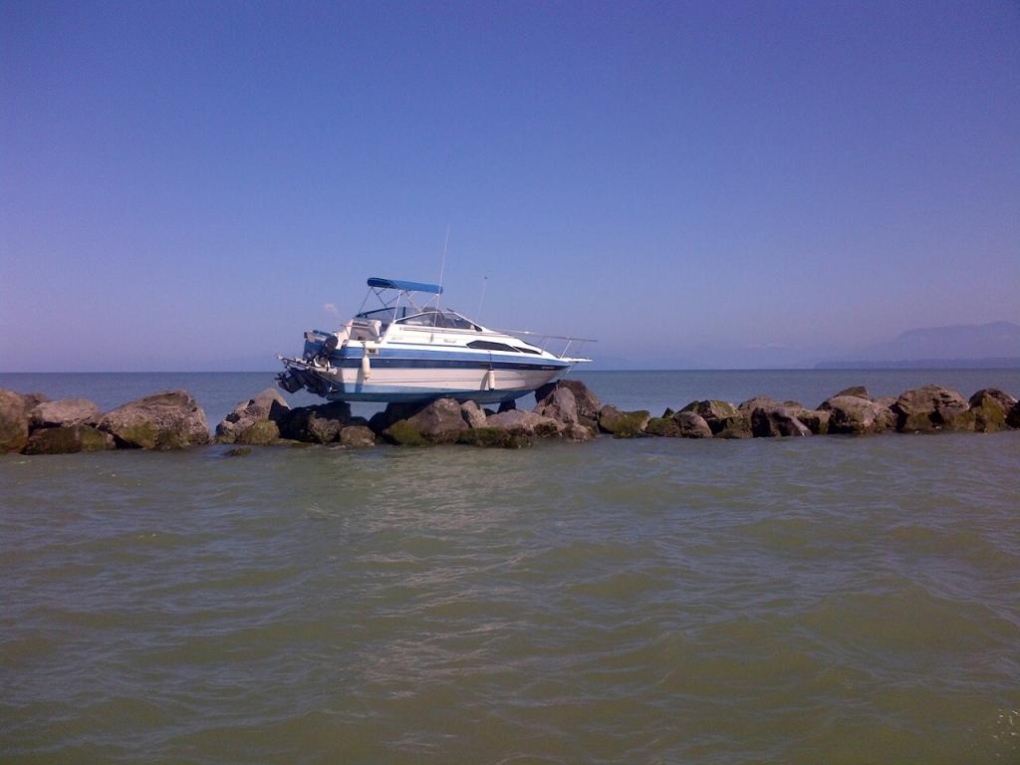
{"x":495,"y":438}
{"x":357,"y":437}
{"x":523,"y":423}
{"x":259,"y":433}
{"x":68,"y":440}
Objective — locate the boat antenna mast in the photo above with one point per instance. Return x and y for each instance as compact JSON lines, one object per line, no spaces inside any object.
{"x":481,"y":300}
{"x":442,"y":263}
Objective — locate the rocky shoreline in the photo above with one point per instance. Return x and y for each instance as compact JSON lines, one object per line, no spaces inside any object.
{"x":566,"y":410}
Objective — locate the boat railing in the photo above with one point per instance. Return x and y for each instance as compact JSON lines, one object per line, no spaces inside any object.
{"x":543,"y":341}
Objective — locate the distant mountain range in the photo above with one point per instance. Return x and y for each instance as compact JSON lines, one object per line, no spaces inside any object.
{"x":961,"y":346}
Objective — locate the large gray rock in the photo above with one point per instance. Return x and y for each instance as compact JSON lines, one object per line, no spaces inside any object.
{"x":724,"y":419}
{"x":770,"y":419}
{"x":473,"y":414}
{"x":816,"y":420}
{"x":357,"y":437}
{"x":523,"y":423}
{"x":932,"y":407}
{"x":621,"y":424}
{"x":440,"y":422}
{"x":319,"y":424}
{"x":259,"y":433}
{"x":773,"y":421}
{"x":761,"y":402}
{"x":393,"y":413}
{"x":856,"y":415}
{"x":252,"y":415}
{"x":990,"y":408}
{"x":167,"y":420}
{"x":679,"y":425}
{"x":587,"y":403}
{"x":68,"y":440}
{"x":14,"y":409}
{"x":559,"y":404}
{"x":66,"y":412}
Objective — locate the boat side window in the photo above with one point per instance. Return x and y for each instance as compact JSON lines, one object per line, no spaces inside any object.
{"x":488,"y":345}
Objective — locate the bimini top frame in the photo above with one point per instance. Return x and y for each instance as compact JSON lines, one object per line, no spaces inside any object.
{"x":392,"y":292}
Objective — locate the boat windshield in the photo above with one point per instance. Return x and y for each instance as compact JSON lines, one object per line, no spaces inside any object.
{"x":385,"y":315}
{"x":432,"y":317}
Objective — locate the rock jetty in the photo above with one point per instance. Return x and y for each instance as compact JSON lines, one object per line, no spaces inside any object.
{"x":566,"y":410}
{"x":32,"y":424}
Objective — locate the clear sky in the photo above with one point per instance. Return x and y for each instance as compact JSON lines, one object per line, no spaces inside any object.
{"x":190,"y":185}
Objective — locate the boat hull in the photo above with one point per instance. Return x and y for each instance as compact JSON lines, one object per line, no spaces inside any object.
{"x":408,"y":380}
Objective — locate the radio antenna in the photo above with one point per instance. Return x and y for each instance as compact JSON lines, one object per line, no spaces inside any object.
{"x":442,"y":265}
{"x":485,"y":281}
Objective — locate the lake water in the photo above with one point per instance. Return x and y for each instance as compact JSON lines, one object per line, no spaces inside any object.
{"x":835,"y":599}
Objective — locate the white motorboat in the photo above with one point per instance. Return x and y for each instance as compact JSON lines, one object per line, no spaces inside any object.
{"x":411,"y":349}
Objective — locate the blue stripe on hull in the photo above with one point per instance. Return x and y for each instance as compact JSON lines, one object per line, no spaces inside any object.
{"x":454,"y":359}
{"x":401,"y":395}
{"x":390,"y":364}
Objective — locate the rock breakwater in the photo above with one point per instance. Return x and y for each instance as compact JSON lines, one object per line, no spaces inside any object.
{"x":566,"y":410}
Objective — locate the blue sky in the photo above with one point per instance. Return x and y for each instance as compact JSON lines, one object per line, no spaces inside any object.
{"x":188,"y":186}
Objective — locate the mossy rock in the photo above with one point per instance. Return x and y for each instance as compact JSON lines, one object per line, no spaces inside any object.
{"x":403,"y":433}
{"x":68,"y":440}
{"x":494,"y":438}
{"x":261,"y":433}
{"x":990,"y":408}
{"x":623,"y":424}
{"x":140,"y":436}
{"x":357,"y":437}
{"x":663,"y":426}
{"x":723,"y":418}
{"x":816,"y":420}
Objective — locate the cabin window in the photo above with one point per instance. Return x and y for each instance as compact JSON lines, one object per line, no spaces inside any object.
{"x":488,"y":345}
{"x":434,"y":318}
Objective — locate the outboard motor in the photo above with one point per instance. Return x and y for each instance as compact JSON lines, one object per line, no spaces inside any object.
{"x":328,"y":346}
{"x":289,"y":381}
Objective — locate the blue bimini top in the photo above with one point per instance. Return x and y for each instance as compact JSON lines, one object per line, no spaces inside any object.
{"x":397,"y":284}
